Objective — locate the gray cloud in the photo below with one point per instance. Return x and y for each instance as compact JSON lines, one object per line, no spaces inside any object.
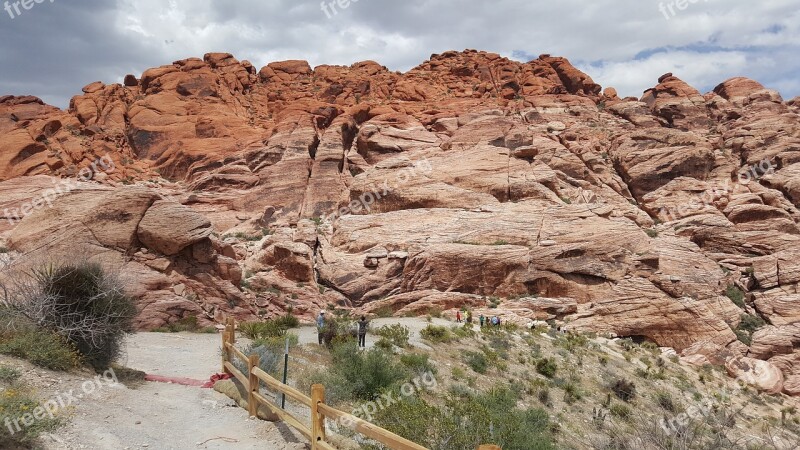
{"x":57,"y":47}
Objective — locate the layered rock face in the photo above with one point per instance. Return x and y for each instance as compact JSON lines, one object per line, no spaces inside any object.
{"x":520,"y":190}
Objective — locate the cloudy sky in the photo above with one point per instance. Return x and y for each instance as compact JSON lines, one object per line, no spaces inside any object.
{"x":58,"y":46}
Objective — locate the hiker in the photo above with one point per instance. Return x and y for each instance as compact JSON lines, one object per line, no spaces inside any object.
{"x":482,"y":319}
{"x":495,"y":321}
{"x":458,"y":316}
{"x":320,"y":325}
{"x":499,"y":322}
{"x":362,"y":332}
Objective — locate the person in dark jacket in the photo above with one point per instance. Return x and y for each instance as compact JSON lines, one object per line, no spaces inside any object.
{"x":320,"y":326}
{"x":362,"y":332}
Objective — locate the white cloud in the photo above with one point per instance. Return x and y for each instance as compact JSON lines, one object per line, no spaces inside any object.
{"x":57,"y":48}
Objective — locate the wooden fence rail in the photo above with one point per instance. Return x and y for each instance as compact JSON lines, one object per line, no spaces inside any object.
{"x":320,"y":411}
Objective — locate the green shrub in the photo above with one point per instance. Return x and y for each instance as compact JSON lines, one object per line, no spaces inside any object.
{"x":436,"y":334}
{"x":418,"y":363}
{"x":15,"y":403}
{"x":42,"y":348}
{"x":264,"y":330}
{"x":547,"y":367}
{"x":465,"y":421}
{"x":384,"y":312}
{"x":356,"y":376}
{"x":9,"y":374}
{"x":288,"y":321}
{"x":736,"y":295}
{"x":396,"y":334}
{"x":270,"y":352}
{"x":82,"y":303}
{"x":477,"y":361}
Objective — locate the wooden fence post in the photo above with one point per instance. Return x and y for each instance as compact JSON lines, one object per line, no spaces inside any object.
{"x":317,"y":419}
{"x":225,"y":353}
{"x":489,"y":447}
{"x":255,"y":384}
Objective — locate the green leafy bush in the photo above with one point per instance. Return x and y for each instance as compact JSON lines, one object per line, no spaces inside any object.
{"x":477,"y":361}
{"x":436,"y":334}
{"x":396,"y":334}
{"x":547,"y":367}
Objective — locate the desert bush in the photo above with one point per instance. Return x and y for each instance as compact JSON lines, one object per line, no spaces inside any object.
{"x":418,"y":363}
{"x":360,"y":375}
{"x":288,"y":321}
{"x":624,"y":390}
{"x":262,"y":330}
{"x":736,"y":295}
{"x":463,"y":331}
{"x":270,"y":351}
{"x":436,"y":334}
{"x":466,"y":421}
{"x":80,"y":302}
{"x":16,"y":402}
{"x":547,"y":367}
{"x":9,"y":374}
{"x":396,"y":334}
{"x":477,"y":361}
{"x":40,"y":347}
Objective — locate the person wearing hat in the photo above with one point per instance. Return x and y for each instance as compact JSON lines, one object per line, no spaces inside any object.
{"x":320,"y":325}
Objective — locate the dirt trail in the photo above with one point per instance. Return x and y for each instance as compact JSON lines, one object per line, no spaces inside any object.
{"x":166,"y":416}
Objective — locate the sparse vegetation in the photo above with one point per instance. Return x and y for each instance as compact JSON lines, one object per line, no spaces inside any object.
{"x":79,"y":307}
{"x":547,"y":367}
{"x":436,"y":334}
{"x":396,"y":334}
{"x":736,"y":295}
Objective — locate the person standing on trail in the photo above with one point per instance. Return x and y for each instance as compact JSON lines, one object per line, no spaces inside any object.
{"x":362,"y":332}
{"x":482,"y":319}
{"x":320,"y":325}
{"x":458,"y":316}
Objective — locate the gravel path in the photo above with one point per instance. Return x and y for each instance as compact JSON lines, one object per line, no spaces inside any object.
{"x":166,"y":416}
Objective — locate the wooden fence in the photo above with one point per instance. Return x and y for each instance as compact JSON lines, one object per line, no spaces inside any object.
{"x":316,"y":402}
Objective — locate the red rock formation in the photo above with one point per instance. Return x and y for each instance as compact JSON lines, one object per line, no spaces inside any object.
{"x":467,"y":178}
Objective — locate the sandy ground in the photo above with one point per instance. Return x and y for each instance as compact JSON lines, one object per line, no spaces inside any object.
{"x":166,"y":416}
